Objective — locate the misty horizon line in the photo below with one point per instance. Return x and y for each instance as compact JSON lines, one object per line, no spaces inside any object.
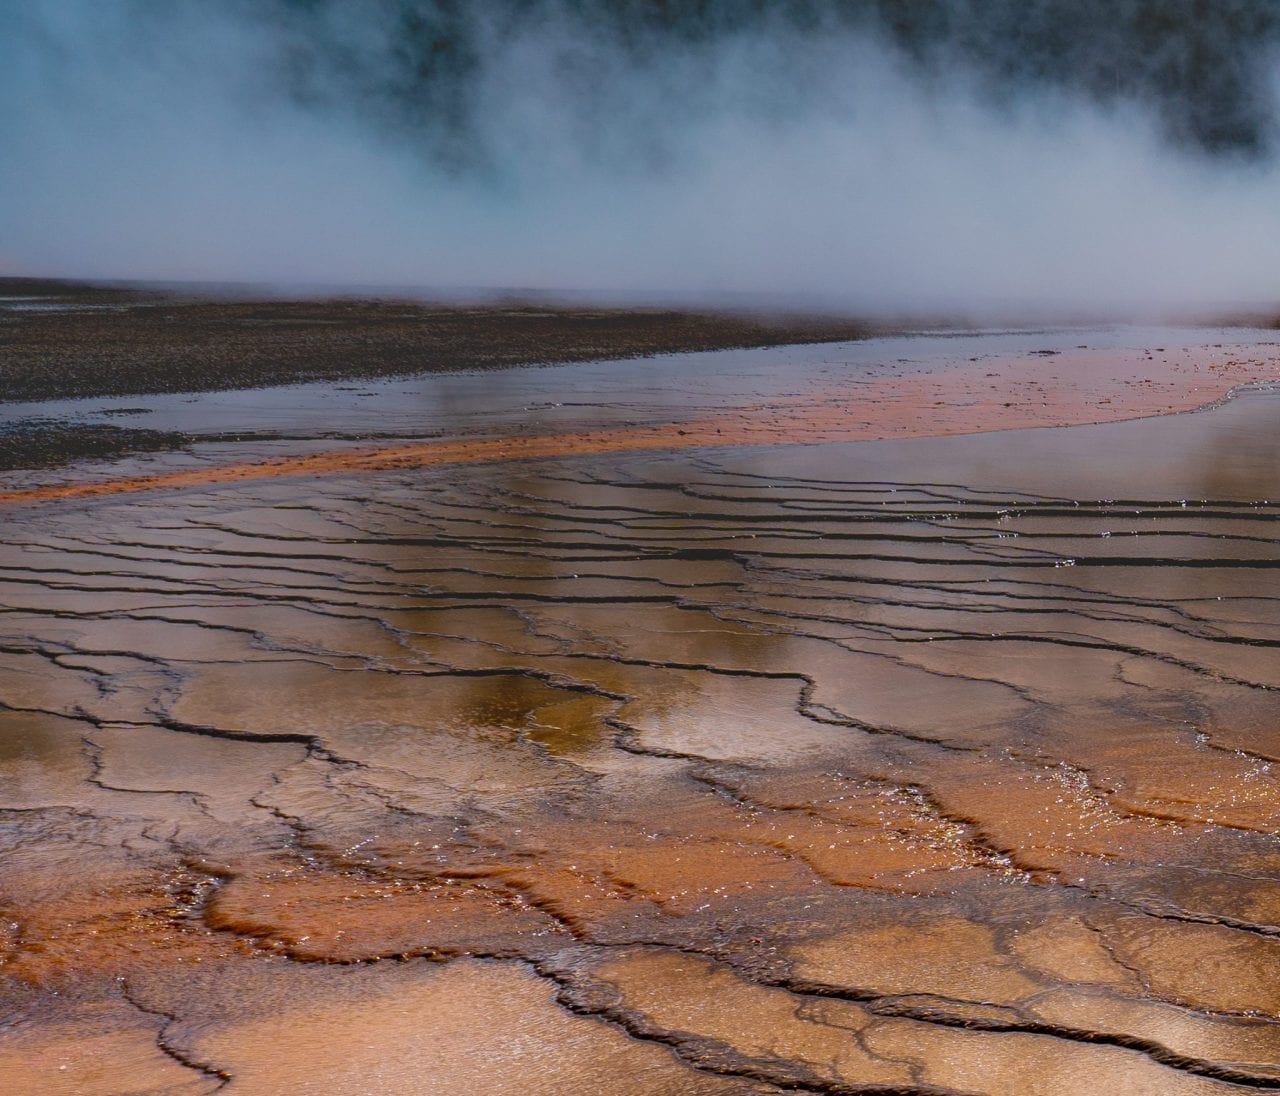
{"x":779,"y":305}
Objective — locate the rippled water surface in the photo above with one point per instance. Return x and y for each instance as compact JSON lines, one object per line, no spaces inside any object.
{"x":938,"y":765}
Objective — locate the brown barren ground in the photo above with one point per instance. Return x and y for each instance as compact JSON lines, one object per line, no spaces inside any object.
{"x":81,"y":341}
{"x":938,"y":764}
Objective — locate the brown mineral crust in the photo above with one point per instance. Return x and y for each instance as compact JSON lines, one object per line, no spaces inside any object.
{"x":319,"y":915}
{"x":573,"y":778}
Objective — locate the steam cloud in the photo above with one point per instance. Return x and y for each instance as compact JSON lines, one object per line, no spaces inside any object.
{"x":900,"y":155}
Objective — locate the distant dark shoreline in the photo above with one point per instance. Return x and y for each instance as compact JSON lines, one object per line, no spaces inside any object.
{"x":63,"y":340}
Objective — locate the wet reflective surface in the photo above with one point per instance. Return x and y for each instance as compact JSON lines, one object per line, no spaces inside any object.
{"x":931,"y":765}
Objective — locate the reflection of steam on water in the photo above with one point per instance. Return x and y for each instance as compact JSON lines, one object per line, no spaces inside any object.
{"x":893,"y":155}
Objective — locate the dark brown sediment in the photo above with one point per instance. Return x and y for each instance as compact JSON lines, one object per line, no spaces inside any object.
{"x":74,"y":340}
{"x":923,"y":765}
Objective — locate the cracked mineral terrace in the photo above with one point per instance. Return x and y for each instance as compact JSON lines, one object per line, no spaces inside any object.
{"x":704,"y":724}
